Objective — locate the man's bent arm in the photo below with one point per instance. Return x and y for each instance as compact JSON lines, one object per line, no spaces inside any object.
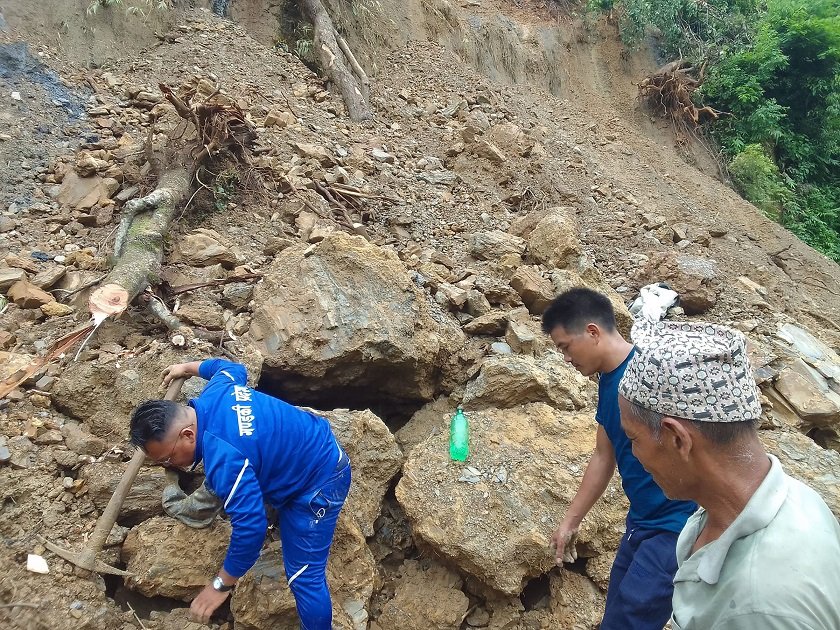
{"x":231,"y":476}
{"x":597,"y":477}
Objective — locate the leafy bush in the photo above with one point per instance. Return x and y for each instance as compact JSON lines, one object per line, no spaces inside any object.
{"x":756,"y":177}
{"x":774,"y":67}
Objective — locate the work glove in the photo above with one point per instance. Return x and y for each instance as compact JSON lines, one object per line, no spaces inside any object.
{"x":194,"y":510}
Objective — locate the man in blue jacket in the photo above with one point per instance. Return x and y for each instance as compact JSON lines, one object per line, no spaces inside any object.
{"x":255,"y":448}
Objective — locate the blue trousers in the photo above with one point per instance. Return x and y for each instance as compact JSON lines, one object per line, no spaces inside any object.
{"x":641,"y":580}
{"x":307,"y":525}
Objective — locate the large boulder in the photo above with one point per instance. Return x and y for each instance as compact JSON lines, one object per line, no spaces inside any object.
{"x":554,"y":241}
{"x":809,"y":395}
{"x":375,"y":457}
{"x":800,"y":376}
{"x":509,"y":380}
{"x":103,"y":394}
{"x":344,"y":319}
{"x":144,"y":497}
{"x":167,"y":558}
{"x":427,"y":596}
{"x":262,"y":599}
{"x":493,"y":517}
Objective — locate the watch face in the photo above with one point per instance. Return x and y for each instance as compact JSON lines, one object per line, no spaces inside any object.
{"x":219,"y":585}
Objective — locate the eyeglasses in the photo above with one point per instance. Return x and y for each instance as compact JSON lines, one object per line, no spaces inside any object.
{"x":168,"y":460}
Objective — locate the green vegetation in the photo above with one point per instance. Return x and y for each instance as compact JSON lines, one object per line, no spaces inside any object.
{"x":224,"y":188}
{"x":774,"y":67}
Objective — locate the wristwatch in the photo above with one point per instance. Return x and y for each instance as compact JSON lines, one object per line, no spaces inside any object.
{"x":220,"y":586}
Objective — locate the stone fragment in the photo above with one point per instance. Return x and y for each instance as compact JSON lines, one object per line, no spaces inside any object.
{"x":509,"y":381}
{"x":49,"y":277}
{"x":143,"y":500}
{"x":278,"y":118}
{"x":56,"y":309}
{"x":22,"y":452}
{"x":382,"y":156}
{"x":78,"y":440}
{"x":166,"y":558}
{"x":536,"y":292}
{"x":510,"y":139}
{"x":488,"y":150}
{"x":554,"y":240}
{"x":201,"y":310}
{"x":10,"y":276}
{"x":314,"y":152}
{"x":809,"y":395}
{"x":493,"y":323}
{"x":27,"y":295}
{"x":203,"y":248}
{"x":494,"y":244}
{"x":522,"y":338}
{"x":83,"y":193}
{"x":5,"y":453}
{"x":427,"y":596}
{"x":477,"y":305}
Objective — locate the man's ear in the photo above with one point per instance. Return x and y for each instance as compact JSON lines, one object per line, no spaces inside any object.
{"x":593,"y":330}
{"x":674,"y":434}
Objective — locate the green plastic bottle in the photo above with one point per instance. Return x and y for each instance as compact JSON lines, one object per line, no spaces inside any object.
{"x":459,"y":436}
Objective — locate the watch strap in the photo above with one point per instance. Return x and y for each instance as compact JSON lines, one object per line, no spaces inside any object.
{"x":220,"y":586}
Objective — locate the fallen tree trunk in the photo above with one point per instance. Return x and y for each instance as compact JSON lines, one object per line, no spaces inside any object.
{"x":138,"y":250}
{"x":338,"y":67}
{"x":220,"y":126}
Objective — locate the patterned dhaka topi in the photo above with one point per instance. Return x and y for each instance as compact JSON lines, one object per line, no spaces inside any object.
{"x":691,"y":370}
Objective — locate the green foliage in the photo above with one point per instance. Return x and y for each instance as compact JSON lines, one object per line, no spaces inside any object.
{"x":224,"y":188}
{"x":774,"y":67}
{"x":756,"y":177}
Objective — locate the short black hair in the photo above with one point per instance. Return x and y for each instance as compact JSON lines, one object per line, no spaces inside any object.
{"x":576,"y":308}
{"x":151,"y":420}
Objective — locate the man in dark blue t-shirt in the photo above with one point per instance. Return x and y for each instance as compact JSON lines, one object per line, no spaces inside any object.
{"x":581,"y":323}
{"x":255,"y":448}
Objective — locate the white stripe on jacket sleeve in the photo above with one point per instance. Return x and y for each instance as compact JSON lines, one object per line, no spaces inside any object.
{"x":235,"y":484}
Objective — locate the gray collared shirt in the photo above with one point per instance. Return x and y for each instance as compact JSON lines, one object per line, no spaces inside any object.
{"x":776,"y":567}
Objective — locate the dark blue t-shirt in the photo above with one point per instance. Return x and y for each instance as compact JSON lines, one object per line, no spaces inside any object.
{"x":649,"y":507}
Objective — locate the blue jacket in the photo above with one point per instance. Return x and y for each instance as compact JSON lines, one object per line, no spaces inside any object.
{"x":256,"y":447}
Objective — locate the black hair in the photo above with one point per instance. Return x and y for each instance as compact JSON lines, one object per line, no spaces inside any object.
{"x":151,"y":420}
{"x":576,"y":308}
{"x":718,"y":433}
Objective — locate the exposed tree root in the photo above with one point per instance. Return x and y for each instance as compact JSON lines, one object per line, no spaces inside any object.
{"x":214,"y":125}
{"x":338,"y":61}
{"x":669,"y":90}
